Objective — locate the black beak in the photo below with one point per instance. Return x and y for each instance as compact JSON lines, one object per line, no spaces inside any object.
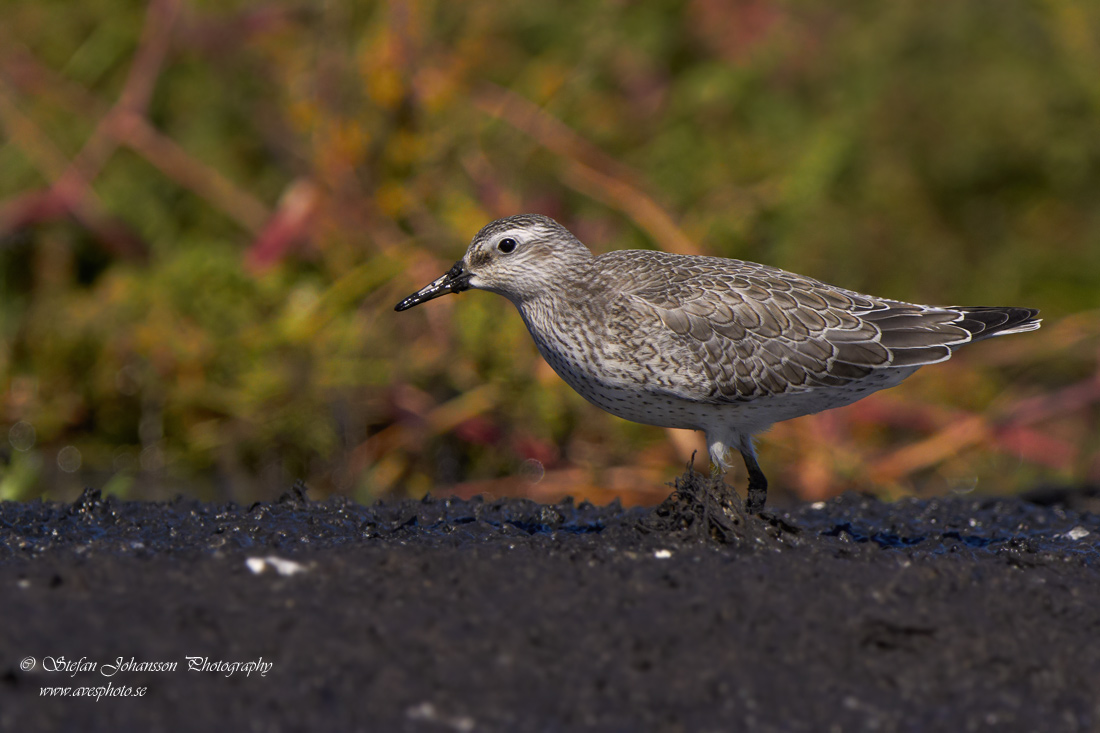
{"x":456,"y":280}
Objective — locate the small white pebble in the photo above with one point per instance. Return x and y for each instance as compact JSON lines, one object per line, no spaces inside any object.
{"x":818,"y":505}
{"x":1077,"y":533}
{"x":23,"y":583}
{"x":428,"y":712}
{"x":423,"y":711}
{"x":280,"y":565}
{"x":662,"y":554}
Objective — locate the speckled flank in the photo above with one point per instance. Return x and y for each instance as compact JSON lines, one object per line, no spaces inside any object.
{"x":724,"y":346}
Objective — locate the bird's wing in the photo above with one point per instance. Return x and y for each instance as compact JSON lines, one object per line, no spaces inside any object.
{"x":759,"y":330}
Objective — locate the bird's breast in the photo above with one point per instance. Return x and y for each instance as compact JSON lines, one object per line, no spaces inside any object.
{"x":596,"y":352}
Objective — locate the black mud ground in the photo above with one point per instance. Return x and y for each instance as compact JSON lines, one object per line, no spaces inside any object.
{"x":451,"y":615}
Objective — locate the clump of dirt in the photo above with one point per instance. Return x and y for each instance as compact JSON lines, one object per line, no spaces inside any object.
{"x":706,"y":509}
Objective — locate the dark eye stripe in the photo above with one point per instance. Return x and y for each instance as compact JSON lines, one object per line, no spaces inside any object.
{"x":506,"y":245}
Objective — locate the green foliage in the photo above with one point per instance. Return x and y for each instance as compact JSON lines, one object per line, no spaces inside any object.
{"x":930,"y":152}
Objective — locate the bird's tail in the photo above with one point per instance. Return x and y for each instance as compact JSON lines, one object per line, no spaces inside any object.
{"x":987,"y":321}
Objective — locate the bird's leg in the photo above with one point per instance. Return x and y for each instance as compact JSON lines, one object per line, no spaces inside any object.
{"x":758,"y":483}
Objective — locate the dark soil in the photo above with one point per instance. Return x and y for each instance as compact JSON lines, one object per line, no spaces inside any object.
{"x":950,"y":614}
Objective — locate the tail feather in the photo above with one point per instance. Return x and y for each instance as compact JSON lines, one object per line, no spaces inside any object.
{"x":987,"y":321}
{"x":917,"y":335}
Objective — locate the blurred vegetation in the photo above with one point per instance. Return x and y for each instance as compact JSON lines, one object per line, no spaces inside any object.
{"x":208,"y":210}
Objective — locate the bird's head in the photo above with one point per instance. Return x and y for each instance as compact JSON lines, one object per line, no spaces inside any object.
{"x":520,"y":257}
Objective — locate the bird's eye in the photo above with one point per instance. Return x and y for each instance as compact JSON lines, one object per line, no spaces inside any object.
{"x":506,"y":245}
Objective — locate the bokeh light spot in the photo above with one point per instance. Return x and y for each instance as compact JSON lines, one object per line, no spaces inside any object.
{"x":22,"y":436}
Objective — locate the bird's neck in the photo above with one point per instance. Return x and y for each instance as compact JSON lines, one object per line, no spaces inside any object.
{"x":558,"y":287}
{"x":553,"y":314}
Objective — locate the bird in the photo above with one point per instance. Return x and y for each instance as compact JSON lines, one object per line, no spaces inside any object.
{"x":725,"y":346}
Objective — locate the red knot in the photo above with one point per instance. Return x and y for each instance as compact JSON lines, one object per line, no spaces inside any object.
{"x":705,"y":343}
